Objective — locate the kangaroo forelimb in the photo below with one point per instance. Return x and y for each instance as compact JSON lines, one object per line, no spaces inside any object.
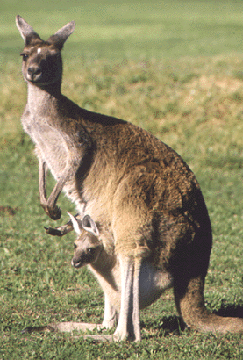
{"x":61,"y":230}
{"x":49,"y":205}
{"x":42,"y":181}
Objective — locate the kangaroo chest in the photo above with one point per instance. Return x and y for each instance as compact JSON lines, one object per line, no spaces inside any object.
{"x":51,"y":146}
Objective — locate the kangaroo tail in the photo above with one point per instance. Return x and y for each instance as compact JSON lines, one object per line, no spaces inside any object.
{"x":189,"y":300}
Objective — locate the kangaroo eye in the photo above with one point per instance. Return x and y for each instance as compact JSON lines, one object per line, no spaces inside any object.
{"x":91,"y":251}
{"x":24,"y":56}
{"x":75,"y":246}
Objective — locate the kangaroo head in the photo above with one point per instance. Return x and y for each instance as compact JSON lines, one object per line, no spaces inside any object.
{"x":87,"y":245}
{"x":42,"y":63}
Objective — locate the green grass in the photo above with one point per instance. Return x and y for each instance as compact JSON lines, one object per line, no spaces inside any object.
{"x":131,"y":29}
{"x":186,"y":92}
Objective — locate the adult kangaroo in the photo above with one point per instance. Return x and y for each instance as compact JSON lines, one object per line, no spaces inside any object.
{"x":145,"y":201}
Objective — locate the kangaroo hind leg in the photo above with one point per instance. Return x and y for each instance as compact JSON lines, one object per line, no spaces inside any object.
{"x":128,"y":322}
{"x":189,"y":300}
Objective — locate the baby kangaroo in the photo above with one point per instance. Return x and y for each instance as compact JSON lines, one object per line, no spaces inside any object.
{"x":89,"y":250}
{"x":145,"y":201}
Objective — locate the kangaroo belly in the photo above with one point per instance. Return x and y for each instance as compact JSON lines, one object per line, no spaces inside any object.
{"x":152,"y":283}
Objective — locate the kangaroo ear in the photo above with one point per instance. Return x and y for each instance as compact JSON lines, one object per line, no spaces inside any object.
{"x":26,"y":31}
{"x":59,"y":38}
{"x":89,"y":225}
{"x":75,"y":223}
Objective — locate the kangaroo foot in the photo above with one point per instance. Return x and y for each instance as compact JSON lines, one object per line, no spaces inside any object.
{"x":66,"y":326}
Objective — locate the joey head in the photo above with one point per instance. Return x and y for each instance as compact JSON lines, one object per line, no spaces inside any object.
{"x":87,"y":246}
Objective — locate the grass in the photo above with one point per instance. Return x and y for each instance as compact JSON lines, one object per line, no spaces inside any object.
{"x":131,"y":29}
{"x":192,"y":100}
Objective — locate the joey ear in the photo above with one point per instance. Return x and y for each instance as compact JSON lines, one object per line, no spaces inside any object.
{"x":75,"y":223}
{"x":59,"y":38}
{"x":89,"y":225}
{"x":26,"y":31}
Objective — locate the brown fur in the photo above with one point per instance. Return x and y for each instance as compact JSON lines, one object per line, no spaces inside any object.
{"x":145,"y":200}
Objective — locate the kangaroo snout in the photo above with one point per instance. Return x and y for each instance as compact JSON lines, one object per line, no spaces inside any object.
{"x":77,"y":262}
{"x":34,"y":73}
{"x":86,"y":255}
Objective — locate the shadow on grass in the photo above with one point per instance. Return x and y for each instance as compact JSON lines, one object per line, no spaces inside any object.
{"x":175,"y":325}
{"x":230,"y":311}
{"x":172,"y":325}
{"x":167,"y":325}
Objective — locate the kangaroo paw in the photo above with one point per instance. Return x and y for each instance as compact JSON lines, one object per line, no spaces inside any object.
{"x":53,"y":231}
{"x":53,"y":212}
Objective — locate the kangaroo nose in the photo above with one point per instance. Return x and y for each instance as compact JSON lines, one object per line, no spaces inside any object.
{"x":76,"y":262}
{"x":34,"y":70}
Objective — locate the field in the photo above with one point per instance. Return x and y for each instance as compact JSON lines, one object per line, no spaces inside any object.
{"x":173,"y":68}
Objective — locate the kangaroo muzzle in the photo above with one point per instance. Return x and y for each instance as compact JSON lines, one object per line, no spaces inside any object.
{"x":76,"y":262}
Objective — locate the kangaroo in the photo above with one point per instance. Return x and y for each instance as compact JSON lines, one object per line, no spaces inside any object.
{"x":145,"y":200}
{"x":89,"y":250}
